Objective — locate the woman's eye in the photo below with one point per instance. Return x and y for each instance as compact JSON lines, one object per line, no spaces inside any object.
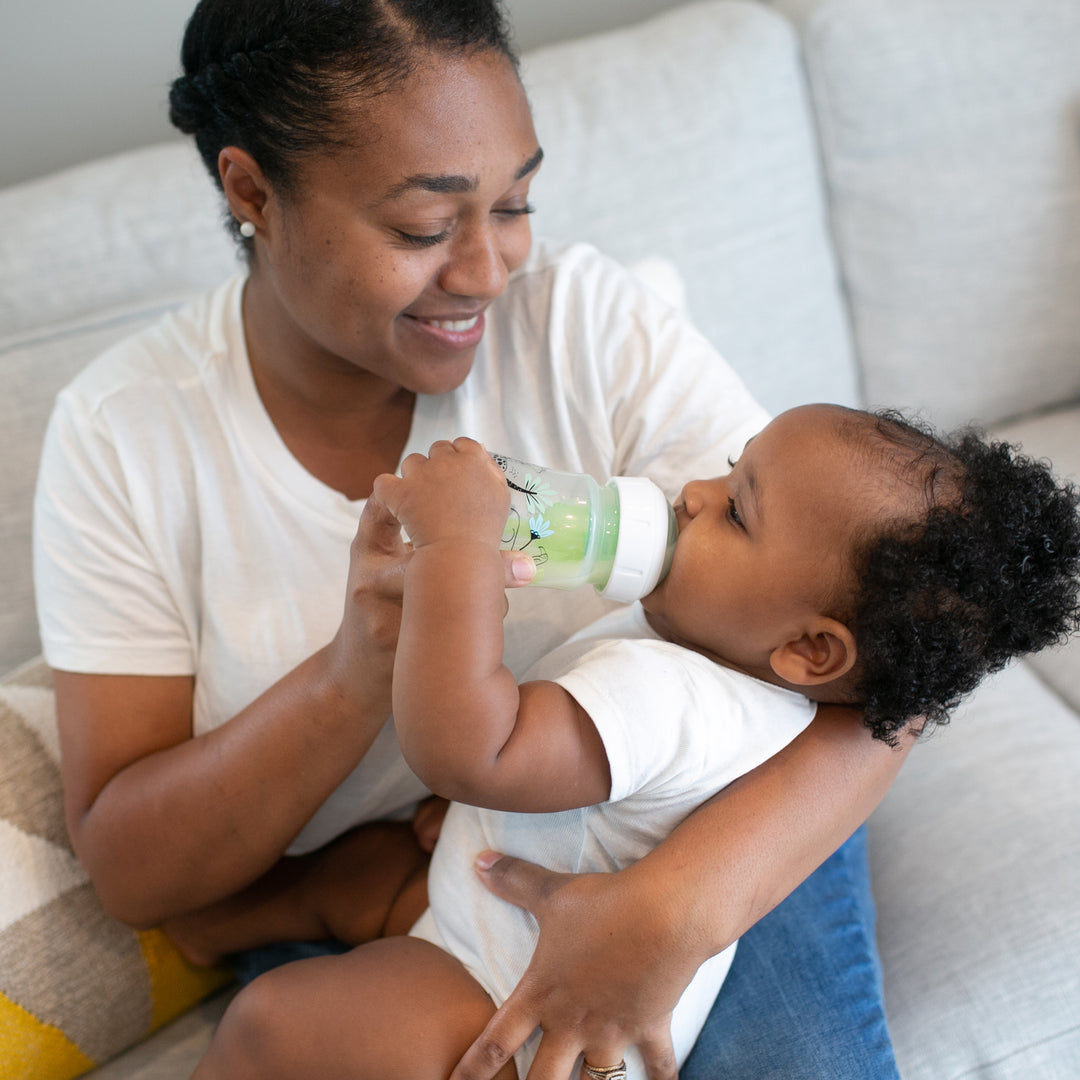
{"x":423,"y":241}
{"x":516,"y":211}
{"x":733,"y":514}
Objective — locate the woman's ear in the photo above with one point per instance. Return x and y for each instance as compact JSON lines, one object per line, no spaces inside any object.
{"x":823,"y":653}
{"x":245,"y":187}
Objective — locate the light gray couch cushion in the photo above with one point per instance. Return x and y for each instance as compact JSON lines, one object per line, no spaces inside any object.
{"x":1055,"y":436}
{"x":949,"y":131}
{"x":86,"y":257}
{"x":104,"y":240}
{"x":975,"y":855}
{"x":689,"y":136}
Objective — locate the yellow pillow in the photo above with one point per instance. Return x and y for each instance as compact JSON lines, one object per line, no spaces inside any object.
{"x":76,"y":986}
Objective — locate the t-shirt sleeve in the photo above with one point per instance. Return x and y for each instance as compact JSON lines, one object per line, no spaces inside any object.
{"x":659,"y":730}
{"x":678,"y":410}
{"x":103,"y":604}
{"x":676,"y":726}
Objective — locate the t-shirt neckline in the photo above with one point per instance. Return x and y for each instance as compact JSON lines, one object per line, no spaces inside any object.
{"x":260,"y":437}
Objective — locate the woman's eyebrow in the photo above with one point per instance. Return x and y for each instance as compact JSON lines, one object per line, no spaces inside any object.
{"x":450,"y":184}
{"x":530,"y":165}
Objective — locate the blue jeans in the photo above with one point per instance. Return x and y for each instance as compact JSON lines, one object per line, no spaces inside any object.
{"x":802,"y":1000}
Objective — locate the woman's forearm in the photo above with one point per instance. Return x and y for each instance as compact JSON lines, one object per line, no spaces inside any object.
{"x":747,"y":848}
{"x":194,"y":820}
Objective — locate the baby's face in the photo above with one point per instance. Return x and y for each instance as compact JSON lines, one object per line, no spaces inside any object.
{"x":768,"y":546}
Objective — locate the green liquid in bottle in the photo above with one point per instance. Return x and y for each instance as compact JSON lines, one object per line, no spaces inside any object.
{"x":572,"y":541}
{"x":569,"y":524}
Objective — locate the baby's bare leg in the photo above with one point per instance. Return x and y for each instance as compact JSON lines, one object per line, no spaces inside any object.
{"x":369,"y":883}
{"x":397,"y":1009}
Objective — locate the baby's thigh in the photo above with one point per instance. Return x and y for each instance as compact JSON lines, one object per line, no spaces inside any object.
{"x":398,"y":1007}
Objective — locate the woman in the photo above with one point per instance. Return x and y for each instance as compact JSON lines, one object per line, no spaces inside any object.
{"x":201,"y":484}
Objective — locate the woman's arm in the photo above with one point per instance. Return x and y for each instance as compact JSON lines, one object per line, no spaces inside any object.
{"x":464,"y":725}
{"x":616,"y":951}
{"x":166,"y":823}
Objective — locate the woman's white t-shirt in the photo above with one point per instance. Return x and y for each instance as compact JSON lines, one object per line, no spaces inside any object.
{"x":175,"y":533}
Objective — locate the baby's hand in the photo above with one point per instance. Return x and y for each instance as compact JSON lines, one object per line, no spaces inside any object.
{"x":455,"y":493}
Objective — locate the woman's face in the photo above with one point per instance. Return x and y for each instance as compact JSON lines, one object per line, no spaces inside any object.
{"x":385,"y":255}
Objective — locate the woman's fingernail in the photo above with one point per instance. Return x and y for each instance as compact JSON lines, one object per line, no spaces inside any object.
{"x":523,"y":569}
{"x":487,"y":859}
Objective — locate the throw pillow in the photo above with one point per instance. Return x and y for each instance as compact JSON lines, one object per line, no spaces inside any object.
{"x":76,"y":986}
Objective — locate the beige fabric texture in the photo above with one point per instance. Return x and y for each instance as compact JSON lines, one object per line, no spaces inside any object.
{"x":71,"y":976}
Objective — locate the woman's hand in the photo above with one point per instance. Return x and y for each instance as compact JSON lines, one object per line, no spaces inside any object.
{"x":617,"y":950}
{"x":361,"y":655}
{"x":610,"y":965}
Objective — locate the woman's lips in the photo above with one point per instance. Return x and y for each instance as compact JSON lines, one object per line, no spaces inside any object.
{"x":456,"y":333}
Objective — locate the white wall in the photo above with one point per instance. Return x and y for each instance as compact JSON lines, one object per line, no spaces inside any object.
{"x":83,"y":78}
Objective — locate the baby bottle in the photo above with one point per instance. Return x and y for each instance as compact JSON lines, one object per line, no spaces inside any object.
{"x":619,"y":538}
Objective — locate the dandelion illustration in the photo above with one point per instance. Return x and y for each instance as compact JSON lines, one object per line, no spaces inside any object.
{"x":538,"y":493}
{"x":539,"y":527}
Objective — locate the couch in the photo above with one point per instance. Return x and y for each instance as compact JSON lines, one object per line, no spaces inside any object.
{"x":864,"y":201}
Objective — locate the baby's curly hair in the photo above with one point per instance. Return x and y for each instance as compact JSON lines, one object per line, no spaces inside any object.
{"x":990,"y":570}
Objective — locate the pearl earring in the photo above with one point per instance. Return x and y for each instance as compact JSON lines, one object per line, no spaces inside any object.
{"x":247,"y":229}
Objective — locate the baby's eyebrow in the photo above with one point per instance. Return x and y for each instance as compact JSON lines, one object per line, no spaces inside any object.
{"x":754,"y":489}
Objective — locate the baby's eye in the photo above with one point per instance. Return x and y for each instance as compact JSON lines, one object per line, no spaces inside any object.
{"x":733,"y":514}
{"x":731,"y":462}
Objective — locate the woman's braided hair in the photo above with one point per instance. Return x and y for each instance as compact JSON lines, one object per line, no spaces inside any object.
{"x":990,"y":572}
{"x":272,"y":76}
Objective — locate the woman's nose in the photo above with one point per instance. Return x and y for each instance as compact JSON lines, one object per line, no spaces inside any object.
{"x":476,"y":267}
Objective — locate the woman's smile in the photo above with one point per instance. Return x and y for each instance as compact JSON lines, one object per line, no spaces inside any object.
{"x":461,"y":332}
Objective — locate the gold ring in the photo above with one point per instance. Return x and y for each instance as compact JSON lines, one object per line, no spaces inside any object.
{"x":606,"y":1072}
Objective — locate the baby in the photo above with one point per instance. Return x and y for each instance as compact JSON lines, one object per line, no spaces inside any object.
{"x":847,"y":557}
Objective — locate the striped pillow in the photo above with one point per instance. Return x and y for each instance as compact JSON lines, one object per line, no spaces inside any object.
{"x":76,"y":986}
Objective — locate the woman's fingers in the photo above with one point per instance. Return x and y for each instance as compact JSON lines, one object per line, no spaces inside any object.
{"x":520,"y":568}
{"x":605,"y":975}
{"x":658,"y":1054}
{"x":602,"y":1057}
{"x":555,"y":1059}
{"x":378,"y":529}
{"x":523,"y":884}
{"x":506,"y":1031}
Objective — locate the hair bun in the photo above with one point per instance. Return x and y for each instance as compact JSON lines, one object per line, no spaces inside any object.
{"x":187,"y":105}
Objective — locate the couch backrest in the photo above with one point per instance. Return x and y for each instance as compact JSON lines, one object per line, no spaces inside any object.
{"x":690,"y":136}
{"x":950,"y":136}
{"x":87,"y":256}
{"x":687,"y":137}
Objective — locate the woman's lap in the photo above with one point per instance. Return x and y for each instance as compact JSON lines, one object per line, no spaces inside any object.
{"x":803,"y":998}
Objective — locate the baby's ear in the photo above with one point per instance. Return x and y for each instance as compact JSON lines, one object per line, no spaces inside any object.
{"x":823,"y":653}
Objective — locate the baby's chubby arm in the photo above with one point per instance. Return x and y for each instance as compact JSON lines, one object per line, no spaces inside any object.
{"x":464,"y":725}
